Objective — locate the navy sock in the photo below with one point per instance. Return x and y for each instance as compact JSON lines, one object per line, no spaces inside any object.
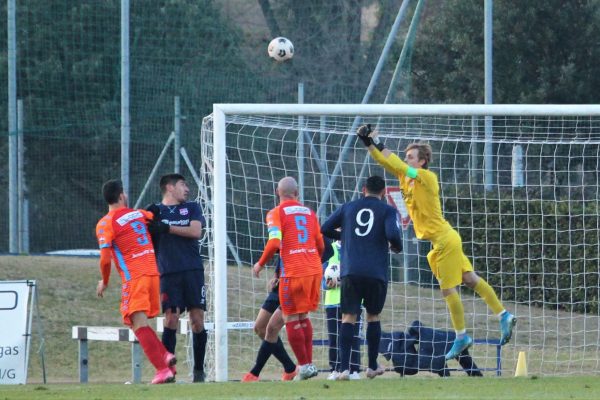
{"x":199,"y":341}
{"x":264,"y":352}
{"x":345,"y":343}
{"x":169,"y":339}
{"x":373,"y":338}
{"x":280,"y":354}
{"x":334,"y":326}
{"x":355,"y":355}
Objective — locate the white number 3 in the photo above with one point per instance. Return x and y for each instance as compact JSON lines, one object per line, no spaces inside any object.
{"x":368,"y":223}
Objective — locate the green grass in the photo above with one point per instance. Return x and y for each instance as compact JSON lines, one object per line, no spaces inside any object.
{"x":408,"y":388}
{"x":67,"y":297}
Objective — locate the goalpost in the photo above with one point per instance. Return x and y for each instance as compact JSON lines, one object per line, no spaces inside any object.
{"x":524,"y":196}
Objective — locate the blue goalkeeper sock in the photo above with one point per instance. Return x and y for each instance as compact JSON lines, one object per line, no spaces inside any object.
{"x":373,"y":339}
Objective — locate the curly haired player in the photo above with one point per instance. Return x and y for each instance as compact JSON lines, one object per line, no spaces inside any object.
{"x":420,"y":190}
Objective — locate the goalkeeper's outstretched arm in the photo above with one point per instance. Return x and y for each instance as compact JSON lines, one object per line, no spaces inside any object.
{"x":388,"y":160}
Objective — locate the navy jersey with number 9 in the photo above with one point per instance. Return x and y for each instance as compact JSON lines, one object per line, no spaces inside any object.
{"x":369,"y":226}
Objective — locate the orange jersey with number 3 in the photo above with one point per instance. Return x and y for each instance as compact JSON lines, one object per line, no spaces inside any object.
{"x":301,"y":241}
{"x":124,"y":232}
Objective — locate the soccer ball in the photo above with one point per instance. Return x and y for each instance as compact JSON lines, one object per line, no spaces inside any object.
{"x":281,"y":49}
{"x":332,"y":272}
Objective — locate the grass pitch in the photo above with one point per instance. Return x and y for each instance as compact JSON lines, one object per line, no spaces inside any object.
{"x":66,"y":288}
{"x":461,"y":388}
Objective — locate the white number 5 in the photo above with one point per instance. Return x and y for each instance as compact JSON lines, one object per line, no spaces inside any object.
{"x":368,"y":223}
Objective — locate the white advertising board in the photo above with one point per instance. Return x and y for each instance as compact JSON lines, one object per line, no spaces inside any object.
{"x":16,"y":330}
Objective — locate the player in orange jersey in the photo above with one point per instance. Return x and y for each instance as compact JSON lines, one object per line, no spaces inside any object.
{"x":122,"y":236}
{"x":295,"y":232}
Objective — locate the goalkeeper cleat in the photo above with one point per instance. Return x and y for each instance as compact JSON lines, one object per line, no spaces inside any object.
{"x":163,"y":376}
{"x":460,"y":344}
{"x":289,"y":376}
{"x":507,"y":323}
{"x":372,"y":373}
{"x":250,"y":377}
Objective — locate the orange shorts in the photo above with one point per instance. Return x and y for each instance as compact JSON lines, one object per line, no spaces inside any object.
{"x":299,"y":295}
{"x":140,"y":294}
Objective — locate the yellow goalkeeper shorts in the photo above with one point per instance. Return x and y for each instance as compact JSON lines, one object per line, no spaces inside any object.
{"x":448,"y":261}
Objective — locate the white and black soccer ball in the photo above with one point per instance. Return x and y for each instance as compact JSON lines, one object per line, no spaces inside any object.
{"x":281,"y":49}
{"x":332,"y":272}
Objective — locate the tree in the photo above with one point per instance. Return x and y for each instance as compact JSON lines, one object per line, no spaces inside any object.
{"x":543,"y":52}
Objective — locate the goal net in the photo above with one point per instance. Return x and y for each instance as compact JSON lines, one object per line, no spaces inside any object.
{"x":519,"y":183}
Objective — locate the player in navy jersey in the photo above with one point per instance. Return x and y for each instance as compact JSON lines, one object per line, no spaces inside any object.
{"x":176,"y":230}
{"x":369,"y":228}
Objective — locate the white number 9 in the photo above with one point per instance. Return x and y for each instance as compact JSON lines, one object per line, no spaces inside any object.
{"x":368,"y":223}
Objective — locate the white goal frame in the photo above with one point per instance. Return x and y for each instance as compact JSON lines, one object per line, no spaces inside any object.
{"x":220,"y":113}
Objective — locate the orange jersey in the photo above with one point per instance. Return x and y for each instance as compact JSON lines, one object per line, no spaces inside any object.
{"x":300,"y":241}
{"x":124,"y":232}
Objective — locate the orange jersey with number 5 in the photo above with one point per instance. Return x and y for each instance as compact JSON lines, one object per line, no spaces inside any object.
{"x":296,"y":226}
{"x":124,"y":231}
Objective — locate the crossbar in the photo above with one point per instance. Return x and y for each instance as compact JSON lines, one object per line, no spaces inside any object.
{"x":408,"y":109}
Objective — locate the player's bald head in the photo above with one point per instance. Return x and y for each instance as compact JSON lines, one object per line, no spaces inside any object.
{"x":287,"y":187}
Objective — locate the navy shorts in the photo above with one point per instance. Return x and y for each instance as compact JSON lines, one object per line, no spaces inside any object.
{"x":271,"y":302}
{"x":357,"y":290}
{"x":183,"y":290}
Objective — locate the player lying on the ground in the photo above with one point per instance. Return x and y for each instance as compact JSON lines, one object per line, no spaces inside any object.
{"x":423,"y":349}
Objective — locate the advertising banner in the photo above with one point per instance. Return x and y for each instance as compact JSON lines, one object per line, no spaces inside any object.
{"x":16,"y":330}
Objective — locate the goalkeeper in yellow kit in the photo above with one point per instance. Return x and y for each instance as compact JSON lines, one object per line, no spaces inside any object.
{"x":420,"y":190}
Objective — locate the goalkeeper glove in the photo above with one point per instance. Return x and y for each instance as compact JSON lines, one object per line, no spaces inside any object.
{"x":158,"y":228}
{"x":364,"y":133}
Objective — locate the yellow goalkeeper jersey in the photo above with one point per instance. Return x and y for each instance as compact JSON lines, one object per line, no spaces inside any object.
{"x":421,"y":195}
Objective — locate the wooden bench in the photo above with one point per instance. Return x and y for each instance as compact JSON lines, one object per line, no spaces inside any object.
{"x":107,"y":334}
